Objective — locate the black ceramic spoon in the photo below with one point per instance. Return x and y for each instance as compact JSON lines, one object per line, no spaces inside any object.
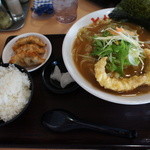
{"x":61,"y":121}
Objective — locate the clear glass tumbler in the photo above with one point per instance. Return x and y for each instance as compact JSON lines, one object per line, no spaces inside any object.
{"x":15,"y":9}
{"x":65,"y":10}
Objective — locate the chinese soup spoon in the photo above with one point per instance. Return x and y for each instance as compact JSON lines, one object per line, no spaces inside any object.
{"x":62,"y":121}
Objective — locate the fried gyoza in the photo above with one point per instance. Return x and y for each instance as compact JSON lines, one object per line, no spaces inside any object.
{"x":121,"y":84}
{"x":31,"y":48}
{"x":28,"y":40}
{"x":27,"y":59}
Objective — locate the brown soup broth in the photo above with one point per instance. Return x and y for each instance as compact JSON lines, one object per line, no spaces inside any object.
{"x":85,"y":63}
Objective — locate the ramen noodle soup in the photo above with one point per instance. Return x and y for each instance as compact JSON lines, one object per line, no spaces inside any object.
{"x":114,"y":56}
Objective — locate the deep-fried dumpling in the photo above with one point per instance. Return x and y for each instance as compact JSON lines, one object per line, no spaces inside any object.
{"x":27,"y":59}
{"x":31,"y":48}
{"x":17,"y":59}
{"x":28,"y":40}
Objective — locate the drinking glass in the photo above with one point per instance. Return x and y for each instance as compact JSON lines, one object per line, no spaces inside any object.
{"x":15,"y":9}
{"x":65,"y":10}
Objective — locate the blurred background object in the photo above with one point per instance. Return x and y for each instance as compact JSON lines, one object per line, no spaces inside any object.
{"x":23,"y":1}
{"x":66,"y":10}
{"x":15,"y":9}
{"x":5,"y":18}
{"x":17,"y":23}
{"x":42,"y":8}
{"x":106,"y":3}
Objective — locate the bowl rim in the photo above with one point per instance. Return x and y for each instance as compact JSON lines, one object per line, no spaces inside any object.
{"x":72,"y":69}
{"x":55,"y":89}
{"x":46,"y":55}
{"x":21,"y":69}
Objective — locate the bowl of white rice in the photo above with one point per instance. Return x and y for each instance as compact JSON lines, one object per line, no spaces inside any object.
{"x":16,"y":88}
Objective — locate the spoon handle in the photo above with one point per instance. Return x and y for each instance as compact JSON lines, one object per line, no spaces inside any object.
{"x":109,"y":130}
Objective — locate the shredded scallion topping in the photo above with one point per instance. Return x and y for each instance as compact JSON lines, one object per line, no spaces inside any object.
{"x":122,"y":47}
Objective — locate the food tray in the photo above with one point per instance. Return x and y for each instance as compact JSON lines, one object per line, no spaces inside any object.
{"x":27,"y":130}
{"x":20,"y":23}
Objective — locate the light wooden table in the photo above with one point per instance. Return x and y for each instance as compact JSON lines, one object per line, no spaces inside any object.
{"x":47,"y":26}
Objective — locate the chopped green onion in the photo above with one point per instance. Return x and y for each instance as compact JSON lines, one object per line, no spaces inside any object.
{"x":122,"y":49}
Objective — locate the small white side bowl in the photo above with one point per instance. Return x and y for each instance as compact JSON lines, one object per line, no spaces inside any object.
{"x":8,"y":51}
{"x":71,"y":67}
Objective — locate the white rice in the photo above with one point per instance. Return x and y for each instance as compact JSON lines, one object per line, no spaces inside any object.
{"x":14,"y":92}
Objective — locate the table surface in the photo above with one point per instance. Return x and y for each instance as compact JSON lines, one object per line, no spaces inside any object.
{"x":47,"y":26}
{"x":113,"y":115}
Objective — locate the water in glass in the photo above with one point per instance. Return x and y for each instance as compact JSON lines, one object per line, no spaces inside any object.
{"x":65,"y":10}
